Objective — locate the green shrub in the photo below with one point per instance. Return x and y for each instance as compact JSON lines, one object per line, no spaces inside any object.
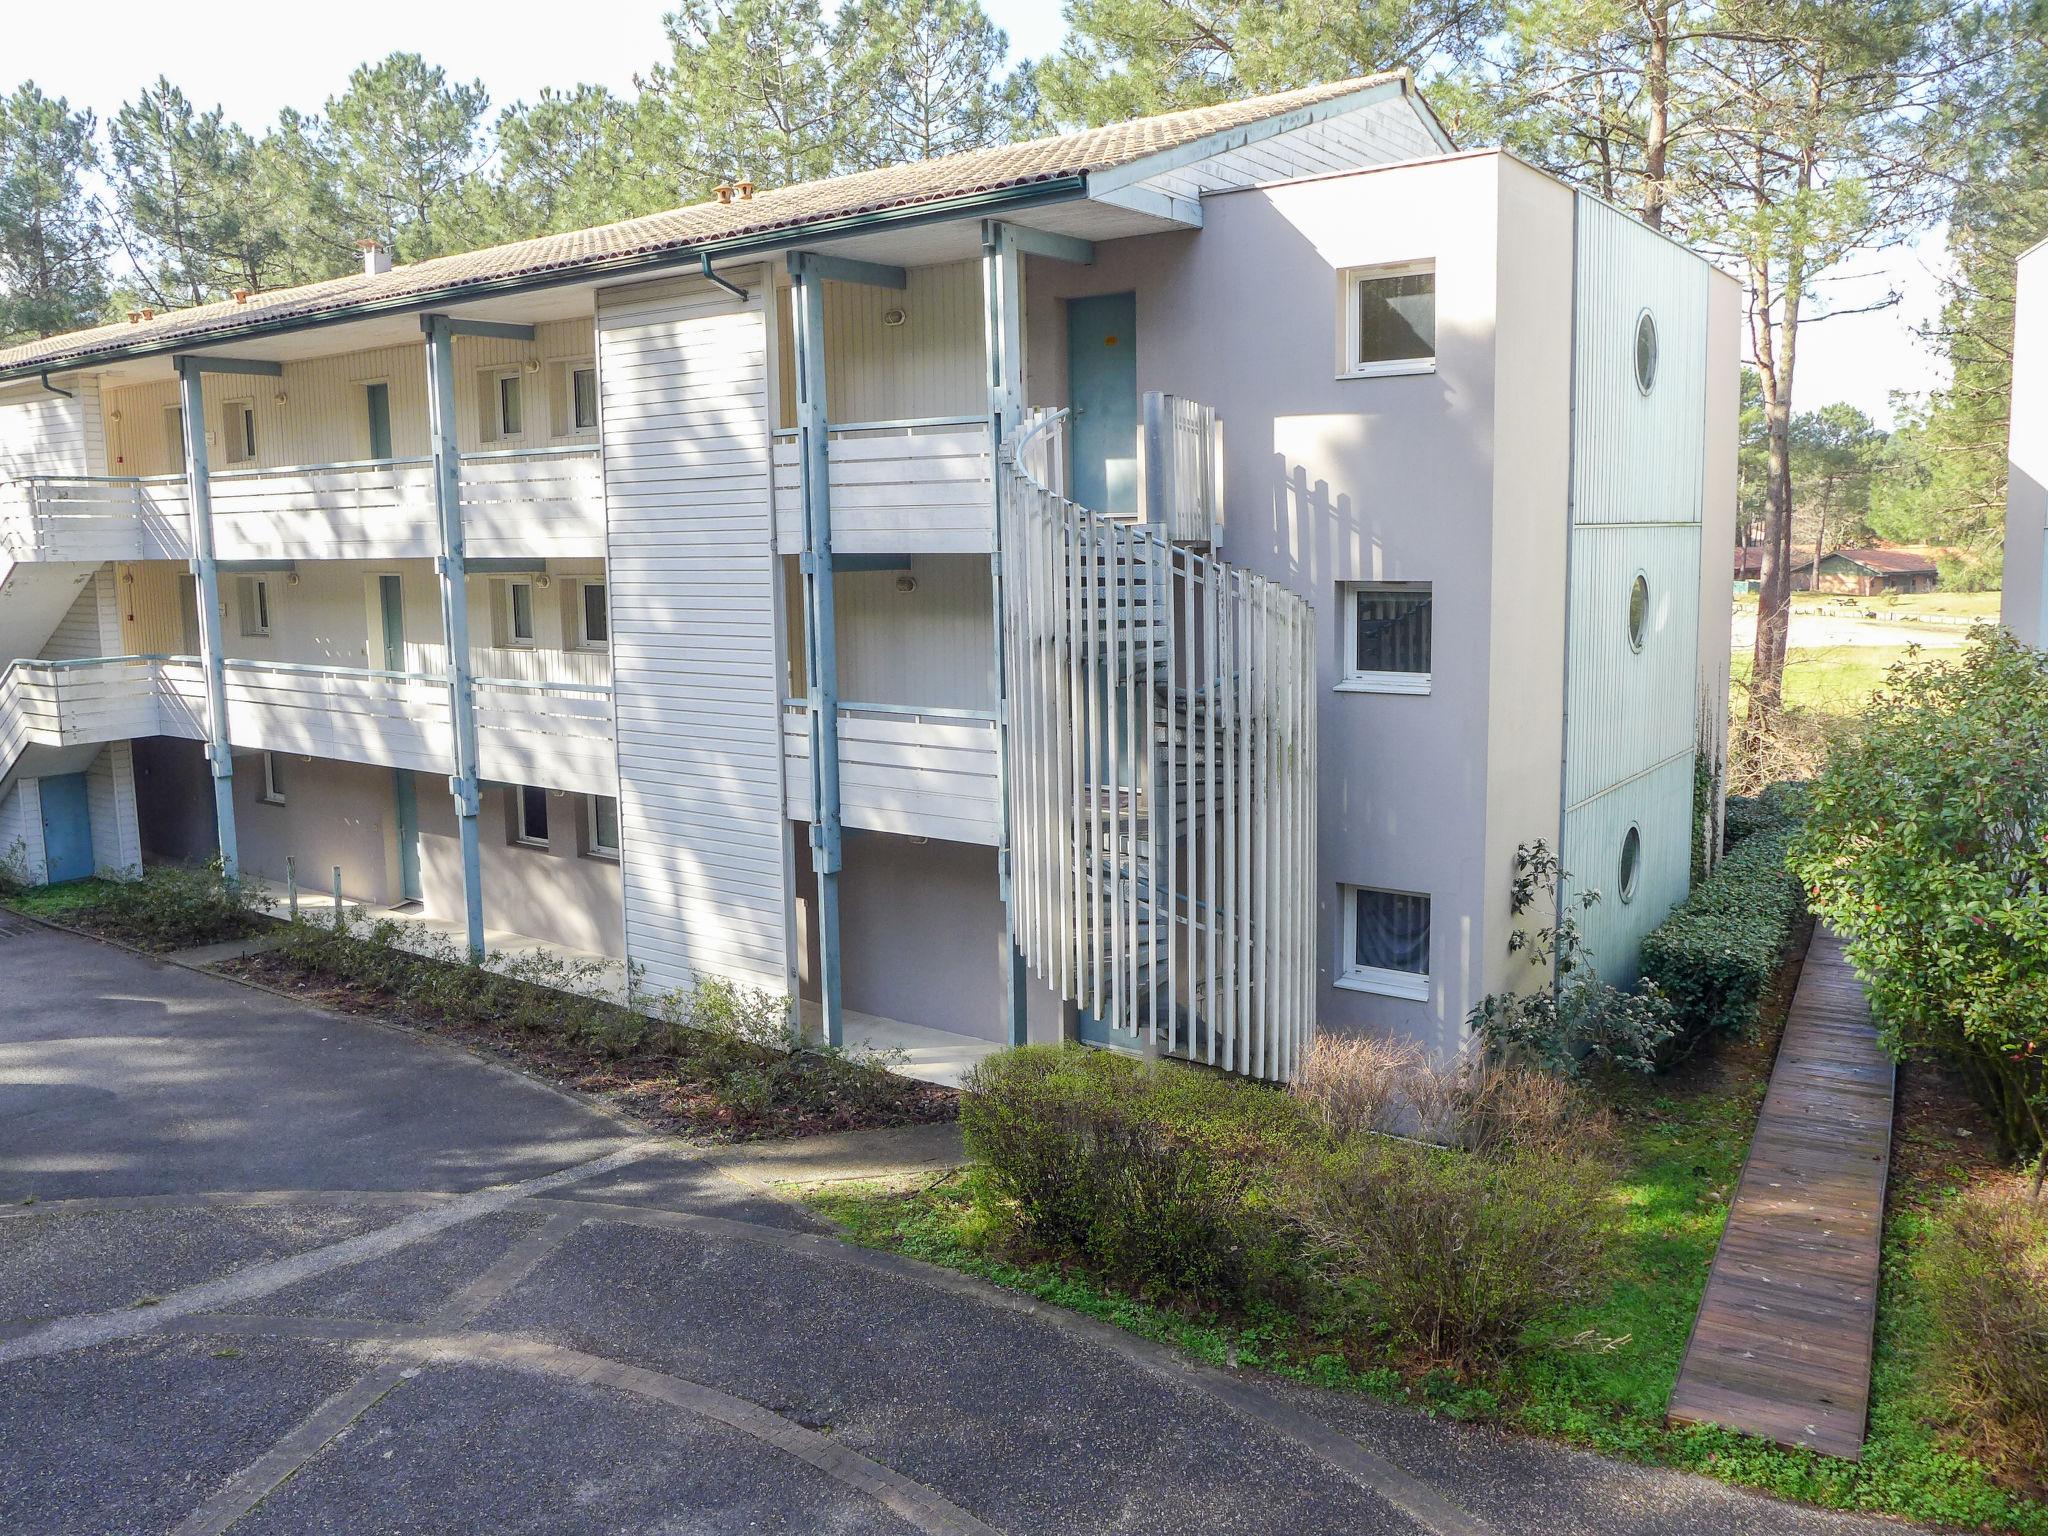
{"x":167,"y":907}
{"x":724,"y":1048}
{"x":1715,"y":956}
{"x":1452,"y":1255}
{"x":1926,"y":847}
{"x":1159,"y":1176}
{"x":1984,"y":1267}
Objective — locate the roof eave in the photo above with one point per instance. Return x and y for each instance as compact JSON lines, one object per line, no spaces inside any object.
{"x":1057,"y":189}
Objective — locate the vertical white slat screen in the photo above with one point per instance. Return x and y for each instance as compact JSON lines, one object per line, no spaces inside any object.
{"x":1162,"y":774}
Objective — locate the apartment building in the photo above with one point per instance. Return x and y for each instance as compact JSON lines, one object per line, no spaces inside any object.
{"x":2024,"y":606}
{"x":1141,"y":585}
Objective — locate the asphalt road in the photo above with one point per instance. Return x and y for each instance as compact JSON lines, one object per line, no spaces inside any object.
{"x":270,"y":1270}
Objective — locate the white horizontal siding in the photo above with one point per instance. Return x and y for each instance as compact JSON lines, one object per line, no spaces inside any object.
{"x":684,"y":379}
{"x":45,"y":434}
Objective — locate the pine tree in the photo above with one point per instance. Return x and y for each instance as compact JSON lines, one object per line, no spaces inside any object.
{"x":935,"y":80}
{"x":52,"y":252}
{"x":405,"y":142}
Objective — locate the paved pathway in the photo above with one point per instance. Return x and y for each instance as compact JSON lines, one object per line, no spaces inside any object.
{"x":1782,"y":1344}
{"x":287,"y":1272}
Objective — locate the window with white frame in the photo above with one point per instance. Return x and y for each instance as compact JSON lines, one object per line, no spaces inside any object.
{"x":516,"y":613}
{"x":238,"y":421}
{"x":1389,"y":320}
{"x":1386,"y":636}
{"x":583,"y":398}
{"x":602,"y":830}
{"x":1386,"y":942}
{"x":593,"y":619}
{"x":252,"y":601}
{"x":273,"y":780}
{"x":530,"y":824}
{"x":174,"y":436}
{"x":505,"y":404}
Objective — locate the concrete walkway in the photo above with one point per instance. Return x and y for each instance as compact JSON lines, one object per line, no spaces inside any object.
{"x":265,"y":1269}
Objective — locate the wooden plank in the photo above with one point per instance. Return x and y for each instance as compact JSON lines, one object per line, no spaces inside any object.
{"x":1782,"y":1344}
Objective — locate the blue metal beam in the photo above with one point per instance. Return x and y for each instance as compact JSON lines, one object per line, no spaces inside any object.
{"x":821,"y":639}
{"x":450,"y":569}
{"x":843,"y":269}
{"x":1003,"y":344}
{"x":193,"y":363}
{"x":1043,"y":242}
{"x":492,"y":330}
{"x":206,"y":576}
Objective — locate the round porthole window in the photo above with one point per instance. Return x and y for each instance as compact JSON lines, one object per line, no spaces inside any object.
{"x":1631,"y":863}
{"x":1638,"y":611}
{"x":1646,"y":351}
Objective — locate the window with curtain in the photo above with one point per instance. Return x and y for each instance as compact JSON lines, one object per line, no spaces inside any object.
{"x":1389,"y":948}
{"x":1390,"y":319}
{"x":583,"y":399}
{"x":604,"y":826}
{"x":1388,"y":634}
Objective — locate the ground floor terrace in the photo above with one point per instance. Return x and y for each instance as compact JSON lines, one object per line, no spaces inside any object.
{"x":922,"y":930}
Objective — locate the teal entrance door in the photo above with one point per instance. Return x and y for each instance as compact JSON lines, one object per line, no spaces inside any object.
{"x":67,"y":828}
{"x":1102,"y":389}
{"x":391,"y":611}
{"x":405,"y":799}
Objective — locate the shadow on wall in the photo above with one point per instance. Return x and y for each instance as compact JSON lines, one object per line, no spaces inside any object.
{"x":174,"y":800}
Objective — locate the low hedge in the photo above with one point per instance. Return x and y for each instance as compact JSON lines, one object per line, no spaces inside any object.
{"x":1158,"y":1176}
{"x":1184,"y":1186}
{"x":1717,"y":952}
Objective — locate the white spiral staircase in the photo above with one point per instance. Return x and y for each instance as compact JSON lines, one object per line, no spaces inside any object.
{"x":1162,"y":771}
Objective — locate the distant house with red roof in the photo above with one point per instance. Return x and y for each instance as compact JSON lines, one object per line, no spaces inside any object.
{"x":1863,"y":572}
{"x":1867,"y":572}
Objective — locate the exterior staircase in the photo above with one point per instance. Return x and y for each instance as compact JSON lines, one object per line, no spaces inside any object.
{"x":1161,"y":734}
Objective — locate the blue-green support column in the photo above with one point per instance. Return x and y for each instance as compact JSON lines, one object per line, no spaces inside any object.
{"x":1003,"y":348}
{"x":808,"y":273}
{"x":205,"y":567}
{"x":449,"y":569}
{"x":821,"y":644}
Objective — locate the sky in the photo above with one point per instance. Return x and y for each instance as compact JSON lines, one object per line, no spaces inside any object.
{"x":517,"y":46}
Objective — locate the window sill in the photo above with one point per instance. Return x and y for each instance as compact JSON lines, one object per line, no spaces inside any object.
{"x":1385,"y":682}
{"x":603,"y":856}
{"x":1401,"y":984}
{"x":529,"y":842}
{"x":1394,"y":370}
{"x":270,"y":800}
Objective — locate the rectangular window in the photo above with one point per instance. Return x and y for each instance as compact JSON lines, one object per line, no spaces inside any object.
{"x":604,"y":826}
{"x":594,"y":622}
{"x":533,"y":816}
{"x":511,"y":415}
{"x":252,"y":597}
{"x":1389,"y":320}
{"x":1387,"y":636}
{"x":583,"y":399}
{"x":273,"y":781}
{"x":377,"y":407}
{"x":174,"y":435}
{"x":519,"y":612}
{"x":1387,"y":944}
{"x":238,"y":419}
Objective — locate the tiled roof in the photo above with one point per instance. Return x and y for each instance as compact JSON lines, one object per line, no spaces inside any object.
{"x":1896,"y":562}
{"x":680,"y":230}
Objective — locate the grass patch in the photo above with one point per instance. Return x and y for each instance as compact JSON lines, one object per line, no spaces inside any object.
{"x":1595,"y":1374}
{"x":170,"y":907}
{"x":1833,"y":680}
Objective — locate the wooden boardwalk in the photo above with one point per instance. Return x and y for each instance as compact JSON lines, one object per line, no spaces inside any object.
{"x":1781,"y":1346}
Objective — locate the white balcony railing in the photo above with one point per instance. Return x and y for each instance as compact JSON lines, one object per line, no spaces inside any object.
{"x":555,"y":735}
{"x":921,"y":772}
{"x":521,"y":664}
{"x":916,"y":487}
{"x":546,"y":502}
